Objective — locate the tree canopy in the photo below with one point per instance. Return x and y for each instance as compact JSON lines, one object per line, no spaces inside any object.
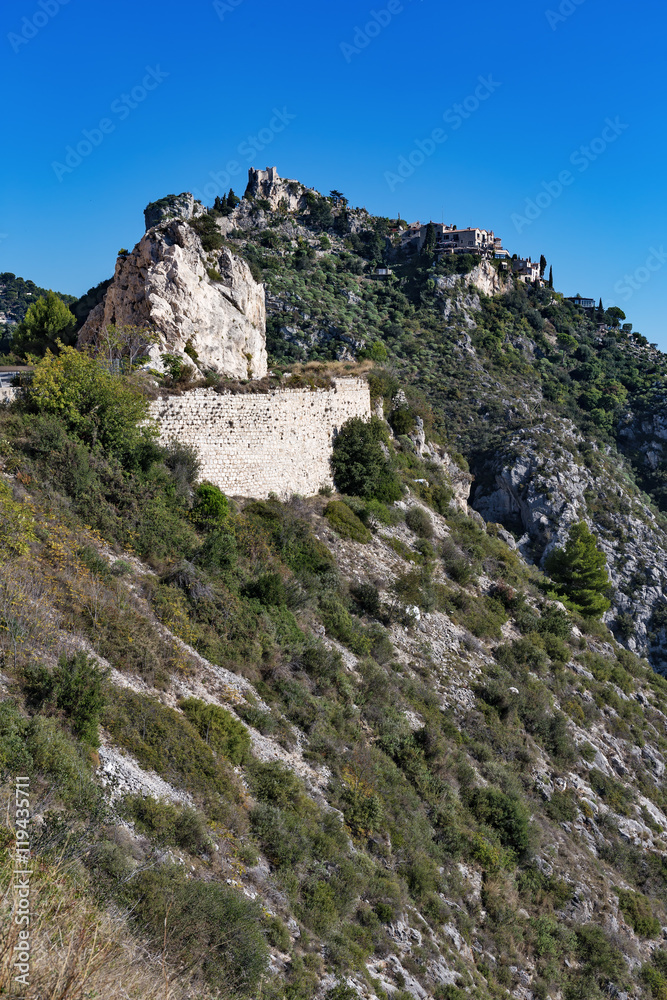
{"x":47,"y":321}
{"x":359,"y":463}
{"x":580,"y":572}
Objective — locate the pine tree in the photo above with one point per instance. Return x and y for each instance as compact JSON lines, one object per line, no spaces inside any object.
{"x":47,"y":321}
{"x":580,"y":572}
{"x":600,"y":313}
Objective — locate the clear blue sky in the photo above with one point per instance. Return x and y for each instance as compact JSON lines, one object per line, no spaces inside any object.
{"x":183,"y":86}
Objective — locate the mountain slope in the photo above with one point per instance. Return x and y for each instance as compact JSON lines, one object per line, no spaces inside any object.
{"x":345,"y":746}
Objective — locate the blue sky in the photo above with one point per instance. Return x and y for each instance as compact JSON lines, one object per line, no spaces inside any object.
{"x":558,"y":143}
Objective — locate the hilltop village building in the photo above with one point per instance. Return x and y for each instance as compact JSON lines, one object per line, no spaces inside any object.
{"x":526,"y":269}
{"x":479,"y":242}
{"x":449,"y":239}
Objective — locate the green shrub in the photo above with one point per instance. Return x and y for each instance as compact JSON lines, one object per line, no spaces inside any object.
{"x":402,"y":420}
{"x":218,"y":551}
{"x":419,"y":521}
{"x":165,"y":741}
{"x":342,"y":626}
{"x":166,"y":823}
{"x":274,"y":782}
{"x":507,"y":814}
{"x":65,"y":763}
{"x":219,"y":729}
{"x":208,"y":232}
{"x":268,"y":589}
{"x":97,"y":405}
{"x":75,"y":687}
{"x":599,"y":957}
{"x":359,"y":464}
{"x":579,"y":571}
{"x":209,"y":927}
{"x":14,"y":754}
{"x":556,"y":622}
{"x":211,"y":507}
{"x":345,"y":522}
{"x":457,"y":565}
{"x":368,"y":598}
{"x":637,"y":911}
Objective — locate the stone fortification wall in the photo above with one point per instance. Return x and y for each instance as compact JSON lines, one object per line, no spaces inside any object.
{"x":254,"y":444}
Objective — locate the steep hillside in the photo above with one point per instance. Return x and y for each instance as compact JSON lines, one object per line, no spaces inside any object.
{"x":506,"y":369}
{"x":348,"y":745}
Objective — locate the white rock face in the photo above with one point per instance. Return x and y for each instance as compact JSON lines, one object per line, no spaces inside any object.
{"x":164,"y":285}
{"x":484,"y":277}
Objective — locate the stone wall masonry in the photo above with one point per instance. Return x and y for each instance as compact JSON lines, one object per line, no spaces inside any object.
{"x":259,"y":443}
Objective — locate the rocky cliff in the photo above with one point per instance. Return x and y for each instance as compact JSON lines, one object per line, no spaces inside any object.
{"x":268,"y":185}
{"x":205,"y":300}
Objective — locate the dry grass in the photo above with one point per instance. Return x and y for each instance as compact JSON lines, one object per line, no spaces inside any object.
{"x":79,"y":951}
{"x":340,"y":369}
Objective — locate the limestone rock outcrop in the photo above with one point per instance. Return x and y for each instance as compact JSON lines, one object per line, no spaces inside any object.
{"x":484,"y":277}
{"x":207,"y":301}
{"x":267,"y":185}
{"x":461,"y":291}
{"x":173,"y":206}
{"x":538,"y":486}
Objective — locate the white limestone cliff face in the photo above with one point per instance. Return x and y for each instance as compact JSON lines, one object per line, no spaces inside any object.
{"x":164,"y":285}
{"x":484,"y":277}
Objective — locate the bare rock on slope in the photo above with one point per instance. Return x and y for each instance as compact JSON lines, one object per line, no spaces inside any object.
{"x":171,"y":285}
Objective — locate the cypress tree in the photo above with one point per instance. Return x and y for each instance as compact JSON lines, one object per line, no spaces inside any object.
{"x":580,"y":572}
{"x":551,"y":277}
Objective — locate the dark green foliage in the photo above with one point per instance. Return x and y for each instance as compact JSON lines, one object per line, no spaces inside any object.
{"x":208,"y":232}
{"x":346,"y":523}
{"x":17,"y":295}
{"x":601,"y":960}
{"x":420,"y":522}
{"x":166,"y":823}
{"x":219,"y":550}
{"x":14,"y":755}
{"x":219,"y":729}
{"x":76,"y":687}
{"x":360,"y":467}
{"x":506,"y":814}
{"x":46,"y":322}
{"x":209,"y":927}
{"x":368,"y":599}
{"x":402,"y":420}
{"x":268,"y":589}
{"x":579,"y":571}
